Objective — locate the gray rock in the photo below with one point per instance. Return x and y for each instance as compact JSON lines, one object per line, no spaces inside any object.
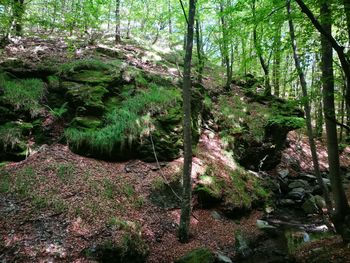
{"x":263,"y":225}
{"x":287,"y":202}
{"x":297,"y":193}
{"x":221,"y":258}
{"x":300,"y":183}
{"x":326,"y":181}
{"x":309,"y":177}
{"x":283,"y":173}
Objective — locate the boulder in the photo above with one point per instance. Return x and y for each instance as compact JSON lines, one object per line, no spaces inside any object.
{"x":297,"y":194}
{"x":299,"y":183}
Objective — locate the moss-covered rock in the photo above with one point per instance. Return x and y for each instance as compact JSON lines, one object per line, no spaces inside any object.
{"x":199,"y":255}
{"x":13,"y":140}
{"x":89,"y":97}
{"x":208,"y":190}
{"x":89,"y":122}
{"x":91,"y":77}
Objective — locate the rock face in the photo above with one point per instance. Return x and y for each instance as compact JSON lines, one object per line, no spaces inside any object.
{"x":114,"y":111}
{"x":265,"y":153}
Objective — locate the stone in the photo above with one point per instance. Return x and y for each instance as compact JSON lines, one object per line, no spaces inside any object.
{"x":287,"y":202}
{"x":221,"y":258}
{"x":264,"y":225}
{"x":300,"y":183}
{"x":199,"y":255}
{"x":309,"y":177}
{"x":310,"y":206}
{"x":242,"y":248}
{"x":326,"y":181}
{"x":283,"y":173}
{"x":297,"y":193}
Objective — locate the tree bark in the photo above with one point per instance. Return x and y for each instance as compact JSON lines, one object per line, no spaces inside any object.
{"x":117,"y":20}
{"x":199,"y":52}
{"x":264,"y":65}
{"x":307,"y":108}
{"x":184,"y":228}
{"x":225,"y":47}
{"x":18,"y":12}
{"x":341,"y":214}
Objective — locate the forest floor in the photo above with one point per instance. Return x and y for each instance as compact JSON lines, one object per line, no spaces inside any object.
{"x":72,"y":210}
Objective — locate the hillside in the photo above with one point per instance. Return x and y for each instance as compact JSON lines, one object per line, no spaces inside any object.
{"x":91,"y":144}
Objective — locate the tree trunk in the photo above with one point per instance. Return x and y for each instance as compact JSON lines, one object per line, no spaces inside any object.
{"x":184,"y":228}
{"x":307,"y":108}
{"x":18,"y":12}
{"x":117,"y":22}
{"x":225,"y":47}
{"x":341,"y":214}
{"x":199,"y":51}
{"x":277,"y":61}
{"x":258,"y":49}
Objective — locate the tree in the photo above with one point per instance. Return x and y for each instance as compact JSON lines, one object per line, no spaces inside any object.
{"x":340,"y":50}
{"x":187,"y":167}
{"x":117,"y":22}
{"x":18,"y":12}
{"x":341,"y":216}
{"x":265,"y":65}
{"x":307,"y":107}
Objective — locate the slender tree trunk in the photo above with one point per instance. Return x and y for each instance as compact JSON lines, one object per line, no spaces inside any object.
{"x":225,"y":46}
{"x":257,"y":45}
{"x":18,"y":12}
{"x":199,"y":51}
{"x":184,"y":228}
{"x":277,"y":61}
{"x":341,"y":215}
{"x":307,"y":109}
{"x":117,"y":22}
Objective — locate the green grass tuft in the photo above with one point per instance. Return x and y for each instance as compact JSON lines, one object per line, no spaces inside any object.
{"x":23,"y":94}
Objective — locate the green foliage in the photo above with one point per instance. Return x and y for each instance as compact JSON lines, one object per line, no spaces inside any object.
{"x":58,"y":113}
{"x":10,"y":135}
{"x":292,"y":122}
{"x":125,"y":123}
{"x":23,"y":94}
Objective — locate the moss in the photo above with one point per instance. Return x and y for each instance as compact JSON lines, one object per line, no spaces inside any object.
{"x":53,"y":83}
{"x":199,"y":255}
{"x":124,"y":126}
{"x":209,"y":190}
{"x":87,"y":122}
{"x":91,"y":77}
{"x":87,"y":96}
